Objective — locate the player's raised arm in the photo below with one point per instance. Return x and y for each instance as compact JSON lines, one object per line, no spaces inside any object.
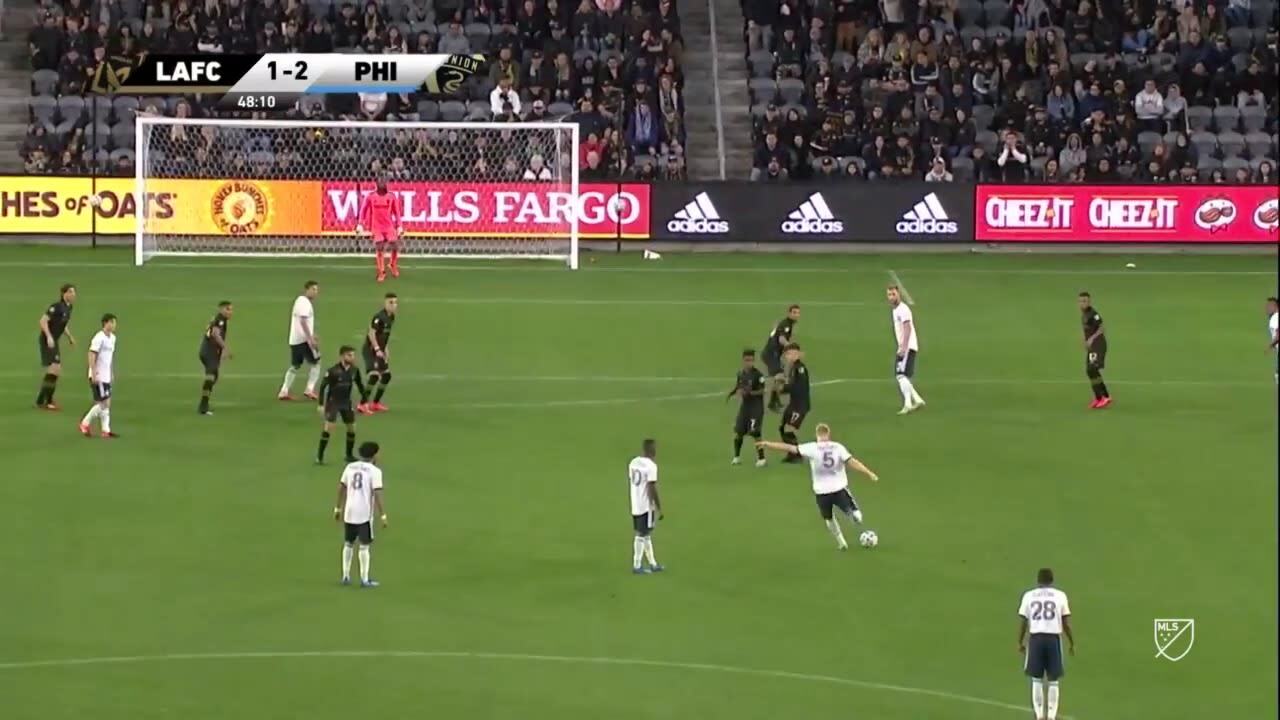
{"x":855,"y":464}
{"x":780,"y":447}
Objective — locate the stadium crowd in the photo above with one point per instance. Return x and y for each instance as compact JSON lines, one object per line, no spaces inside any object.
{"x":612,"y":66}
{"x":1033,"y":90}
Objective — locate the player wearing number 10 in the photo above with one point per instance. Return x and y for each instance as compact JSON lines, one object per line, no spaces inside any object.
{"x":359,"y":500}
{"x":646,"y":508}
{"x":1045,"y":616}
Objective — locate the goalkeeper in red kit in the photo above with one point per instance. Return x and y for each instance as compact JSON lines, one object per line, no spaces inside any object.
{"x":381,"y":214}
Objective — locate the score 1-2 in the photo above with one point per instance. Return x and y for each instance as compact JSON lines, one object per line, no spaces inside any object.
{"x":298,"y":71}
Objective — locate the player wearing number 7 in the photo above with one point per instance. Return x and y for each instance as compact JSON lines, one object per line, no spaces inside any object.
{"x":359,"y":501}
{"x":828,"y":461}
{"x":381,"y":214}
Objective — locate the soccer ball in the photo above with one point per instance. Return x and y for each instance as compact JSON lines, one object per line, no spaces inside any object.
{"x":868,"y":539}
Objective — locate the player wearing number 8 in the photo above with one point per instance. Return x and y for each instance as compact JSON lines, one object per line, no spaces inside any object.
{"x":359,"y":501}
{"x":1045,"y":616}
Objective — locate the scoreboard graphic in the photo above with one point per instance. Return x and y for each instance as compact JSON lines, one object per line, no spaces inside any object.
{"x":274,"y":81}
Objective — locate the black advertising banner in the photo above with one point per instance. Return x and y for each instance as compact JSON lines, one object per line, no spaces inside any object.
{"x":908,"y":211}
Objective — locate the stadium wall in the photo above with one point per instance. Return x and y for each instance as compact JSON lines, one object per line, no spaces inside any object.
{"x":724,"y":214}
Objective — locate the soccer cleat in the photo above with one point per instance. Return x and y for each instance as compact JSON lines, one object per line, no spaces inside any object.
{"x":346,"y":581}
{"x":85,"y":430}
{"x":378,"y":407}
{"x":842,"y":545}
{"x":395,"y":271}
{"x":364,"y":409}
{"x":382,"y":277}
{"x":736,"y":461}
{"x":319,"y":461}
{"x":1104,"y":402}
{"x":369,"y":584}
{"x":285,"y":397}
{"x":110,"y":436}
{"x":51,"y":406}
{"x":761,"y":462}
{"x":310,"y":395}
{"x":1094,"y":405}
{"x":656,"y":568}
{"x":640,"y":571}
{"x":906,"y":409}
{"x":919,"y":404}
{"x":204,"y":411}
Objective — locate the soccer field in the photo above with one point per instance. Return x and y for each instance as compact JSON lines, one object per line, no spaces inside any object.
{"x":189,"y":570}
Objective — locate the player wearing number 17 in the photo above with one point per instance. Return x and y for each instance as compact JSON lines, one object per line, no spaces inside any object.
{"x":381,"y":215}
{"x":359,"y":501}
{"x":1045,"y":617}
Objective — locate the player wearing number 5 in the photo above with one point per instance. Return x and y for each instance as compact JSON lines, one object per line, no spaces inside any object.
{"x":828,"y":461}
{"x":1045,"y":617}
{"x":381,"y":214}
{"x":359,"y":501}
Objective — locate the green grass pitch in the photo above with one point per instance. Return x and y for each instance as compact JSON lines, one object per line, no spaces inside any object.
{"x":192,"y":565}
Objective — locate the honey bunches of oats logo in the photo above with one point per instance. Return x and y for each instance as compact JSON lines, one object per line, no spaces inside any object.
{"x":240,"y":208}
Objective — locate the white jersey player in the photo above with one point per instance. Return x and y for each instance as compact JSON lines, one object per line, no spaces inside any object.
{"x":1045,"y":616}
{"x":646,"y":508}
{"x":907,"y":346}
{"x":359,"y":501}
{"x":102,"y":357}
{"x":828,"y":464}
{"x":1273,"y":332}
{"x":304,"y":344}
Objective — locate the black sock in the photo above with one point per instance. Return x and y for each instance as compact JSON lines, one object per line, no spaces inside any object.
{"x":371,"y":382}
{"x":759,"y":450}
{"x":205,"y":391}
{"x":790,"y":439}
{"x":377,"y":395}
{"x":1102,"y":388}
{"x":47,"y":386}
{"x":351,"y":444}
{"x":774,"y":399}
{"x":1097,"y":390}
{"x":324,"y":443}
{"x":737,"y":445}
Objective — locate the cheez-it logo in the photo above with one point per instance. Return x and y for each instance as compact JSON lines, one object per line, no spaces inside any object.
{"x":1133,"y":213}
{"x":1029,"y":213}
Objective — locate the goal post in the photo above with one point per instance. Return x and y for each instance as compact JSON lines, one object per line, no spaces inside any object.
{"x":293,"y":188}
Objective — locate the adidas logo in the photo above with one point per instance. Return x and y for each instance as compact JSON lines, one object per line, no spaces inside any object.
{"x":813,"y":216}
{"x":699,"y":217}
{"x":927,"y":218}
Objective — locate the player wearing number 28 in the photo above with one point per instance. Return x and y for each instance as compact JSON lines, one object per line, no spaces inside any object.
{"x":359,"y":502}
{"x":828,"y":461}
{"x":1045,"y":617}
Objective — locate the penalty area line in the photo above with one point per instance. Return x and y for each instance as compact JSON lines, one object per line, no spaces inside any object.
{"x":522,"y":657}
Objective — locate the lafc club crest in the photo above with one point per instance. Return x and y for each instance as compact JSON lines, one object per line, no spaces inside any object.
{"x":1174,"y":638}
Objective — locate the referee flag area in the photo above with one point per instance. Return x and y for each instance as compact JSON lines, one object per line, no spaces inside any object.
{"x":189,"y":569}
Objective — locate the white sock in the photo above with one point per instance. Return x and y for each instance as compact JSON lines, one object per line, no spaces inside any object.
{"x":1053,"y":700}
{"x":637,"y":552}
{"x":648,"y":552}
{"x":856,"y":516}
{"x":904,"y":385}
{"x":347,"y":553}
{"x":834,"y":527}
{"x":915,"y":396}
{"x":364,"y":563}
{"x":1037,"y":698}
{"x":93,"y":413}
{"x":289,"y":376}
{"x":313,"y":377}
{"x":106,"y":419}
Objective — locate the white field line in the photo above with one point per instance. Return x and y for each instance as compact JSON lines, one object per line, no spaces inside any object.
{"x":436,"y":300}
{"x":518,"y":657}
{"x":276,"y":265}
{"x":893,"y":276}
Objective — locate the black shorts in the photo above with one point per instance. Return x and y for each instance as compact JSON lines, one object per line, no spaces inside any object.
{"x":302,"y":353}
{"x":1044,"y":656}
{"x":101,"y":391}
{"x":344,"y":410}
{"x":842,"y":499}
{"x":643,"y":524}
{"x":794,"y":416}
{"x":212,"y":363}
{"x":373,"y":363}
{"x":50,"y":355}
{"x":905,"y":366}
{"x":772,"y":362}
{"x":353,"y":532}
{"x":750,"y":420}
{"x":1095,"y":359}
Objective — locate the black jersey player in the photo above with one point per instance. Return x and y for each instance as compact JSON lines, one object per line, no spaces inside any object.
{"x":54,"y":323}
{"x":1095,"y":351}
{"x":377,"y":358}
{"x":335,"y":400}
{"x":778,"y":340}
{"x":798,"y":402}
{"x":749,"y":387}
{"x":213,"y":350}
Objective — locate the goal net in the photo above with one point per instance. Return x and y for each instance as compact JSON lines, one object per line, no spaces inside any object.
{"x":284,"y":188}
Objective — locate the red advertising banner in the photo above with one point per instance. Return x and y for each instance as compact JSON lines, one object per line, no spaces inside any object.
{"x":528,"y":209}
{"x":1127,"y":213}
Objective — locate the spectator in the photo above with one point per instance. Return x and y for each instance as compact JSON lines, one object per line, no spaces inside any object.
{"x":1250,"y":85}
{"x":1149,"y":105}
{"x":1125,"y":158}
{"x":453,"y":41}
{"x":1073,"y":155}
{"x":593,"y":169}
{"x":674,"y":169}
{"x":1266,"y":174}
{"x":1051,"y":172}
{"x":1217,"y":177}
{"x":1012,"y":160}
{"x":1241,"y":176}
{"x":983,"y":169}
{"x":504,"y":99}
{"x":938,"y":171}
{"x":1102,"y":172}
{"x":771,"y":152}
{"x":1175,"y":110}
{"x":537,"y":169}
{"x":643,"y":131}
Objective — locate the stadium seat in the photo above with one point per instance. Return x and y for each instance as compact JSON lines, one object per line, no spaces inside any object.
{"x":988,"y":140}
{"x":1164,"y":62}
{"x":428,"y":110}
{"x":1037,"y":165}
{"x":1240,"y":38}
{"x":44,"y":82}
{"x":1262,"y":10}
{"x":983,"y":116}
{"x":762,"y":90}
{"x":761,"y":63}
{"x":1147,"y":141}
{"x":479,"y":111}
{"x":559,"y":109}
{"x":1199,"y":117}
{"x":480,"y":36}
{"x":1231,"y":164}
{"x":125,"y":108}
{"x":758,"y":111}
{"x":122,"y":135}
{"x":100,"y":108}
{"x":968,"y":33}
{"x":580,"y":56}
{"x":962,"y":168}
{"x":997,"y":13}
{"x":98,"y":135}
{"x":453,"y":111}
{"x":791,"y":90}
{"x":1206,"y":143}
{"x":1231,"y":143}
{"x":1253,"y":118}
{"x":970,"y":13}
{"x":995,"y":31}
{"x":1226,"y":117}
{"x":1259,"y":144}
{"x":43,"y":109}
{"x":120,"y":152}
{"x":804,"y":111}
{"x":70,"y":108}
{"x":1208,"y":164}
